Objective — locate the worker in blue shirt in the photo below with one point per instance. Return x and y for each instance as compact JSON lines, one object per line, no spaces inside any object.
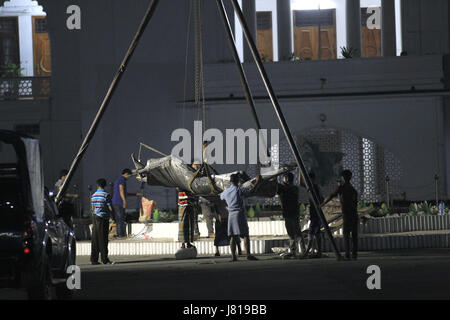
{"x":101,"y":209}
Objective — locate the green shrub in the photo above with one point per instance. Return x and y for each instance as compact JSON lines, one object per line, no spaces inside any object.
{"x":302,"y":209}
{"x":257,"y":209}
{"x":348,"y":52}
{"x":413,"y":209}
{"x":425,"y":208}
{"x":434,"y":210}
{"x":384,"y":210}
{"x":251,"y":212}
{"x":422,"y":208}
{"x":10,"y":70}
{"x":156,"y":215}
{"x":361,"y":204}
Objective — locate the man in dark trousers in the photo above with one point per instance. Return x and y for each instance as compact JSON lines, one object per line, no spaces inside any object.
{"x":119,"y":201}
{"x":349,"y":201}
{"x":207,"y":209}
{"x":315,"y":223}
{"x":69,"y":199}
{"x":288,"y":193}
{"x":186,"y":216}
{"x":101,"y":209}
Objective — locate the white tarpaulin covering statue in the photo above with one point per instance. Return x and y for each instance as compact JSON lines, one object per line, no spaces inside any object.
{"x":171,"y":172}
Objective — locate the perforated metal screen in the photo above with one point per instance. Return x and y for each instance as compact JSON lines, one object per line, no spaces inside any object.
{"x":328,"y":151}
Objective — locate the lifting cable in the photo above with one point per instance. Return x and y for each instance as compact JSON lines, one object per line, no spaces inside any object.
{"x":188,"y":33}
{"x":199,"y":90}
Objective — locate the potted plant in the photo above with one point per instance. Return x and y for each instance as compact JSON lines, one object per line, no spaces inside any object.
{"x":10,"y":70}
{"x":9,"y":86}
{"x":348,"y":52}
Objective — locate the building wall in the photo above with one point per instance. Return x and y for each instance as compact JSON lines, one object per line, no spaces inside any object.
{"x":341,"y":25}
{"x":425,"y":27}
{"x":411,"y":128}
{"x":145,"y":106}
{"x":398,"y":107}
{"x":447,"y":141}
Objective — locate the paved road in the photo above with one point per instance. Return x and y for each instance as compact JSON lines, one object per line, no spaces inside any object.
{"x":420,"y":274}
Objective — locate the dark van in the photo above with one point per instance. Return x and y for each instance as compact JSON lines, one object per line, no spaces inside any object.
{"x":37,"y":242}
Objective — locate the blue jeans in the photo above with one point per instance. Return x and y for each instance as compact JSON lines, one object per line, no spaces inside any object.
{"x":119,"y":213}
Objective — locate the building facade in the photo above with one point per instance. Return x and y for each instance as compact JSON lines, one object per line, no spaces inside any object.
{"x":384,"y":113}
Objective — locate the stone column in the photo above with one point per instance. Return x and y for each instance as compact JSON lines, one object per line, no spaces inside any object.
{"x":353,"y":11}
{"x":388,"y":37}
{"x":284,"y":21}
{"x":249,"y":10}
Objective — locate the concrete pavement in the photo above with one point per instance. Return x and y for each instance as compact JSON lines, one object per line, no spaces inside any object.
{"x":405,"y":274}
{"x":415,"y":274}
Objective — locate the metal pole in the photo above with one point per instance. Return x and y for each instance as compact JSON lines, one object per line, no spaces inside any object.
{"x":245,"y":85}
{"x":148,"y":15}
{"x":232,"y":43}
{"x":242,"y":75}
{"x":283,"y":123}
{"x":152,"y":149}
{"x":387,"y":192}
